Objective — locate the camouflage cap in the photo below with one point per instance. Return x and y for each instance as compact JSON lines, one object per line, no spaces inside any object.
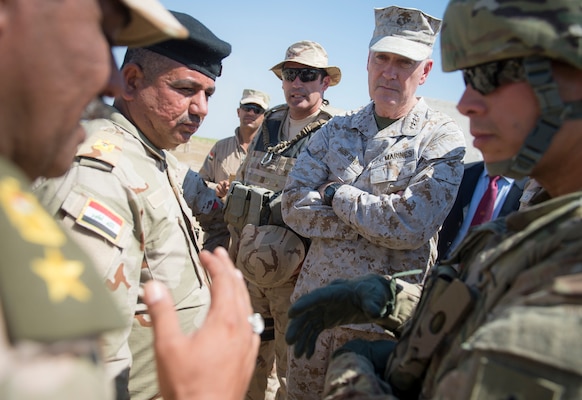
{"x":251,"y":96}
{"x":476,"y":32}
{"x":405,"y":31}
{"x":150,"y":23}
{"x":311,"y":54}
{"x":269,"y":255}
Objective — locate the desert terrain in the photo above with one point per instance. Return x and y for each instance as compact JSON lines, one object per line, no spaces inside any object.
{"x":194,"y":152}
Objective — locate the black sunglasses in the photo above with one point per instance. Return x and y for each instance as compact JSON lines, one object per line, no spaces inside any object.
{"x":305,"y":74}
{"x":251,"y":107}
{"x":485,"y":78}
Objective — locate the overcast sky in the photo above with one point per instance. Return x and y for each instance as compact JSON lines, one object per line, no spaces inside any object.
{"x":260,"y":32}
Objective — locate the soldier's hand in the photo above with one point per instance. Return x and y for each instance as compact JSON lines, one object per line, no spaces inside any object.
{"x":376,"y":351}
{"x":216,"y":361}
{"x":222,"y":188}
{"x":341,"y":302}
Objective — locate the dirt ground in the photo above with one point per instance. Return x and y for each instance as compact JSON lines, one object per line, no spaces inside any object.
{"x":194,"y":152}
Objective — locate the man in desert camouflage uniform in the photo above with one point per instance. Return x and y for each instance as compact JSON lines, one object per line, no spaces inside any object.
{"x":269,"y":254}
{"x":501,"y":319}
{"x":129,"y":202}
{"x":372,"y":188}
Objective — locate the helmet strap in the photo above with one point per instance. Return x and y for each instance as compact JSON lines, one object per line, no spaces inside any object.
{"x":538,"y":73}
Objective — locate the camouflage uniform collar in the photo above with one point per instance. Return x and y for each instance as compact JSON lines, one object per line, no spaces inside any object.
{"x":409,"y":125}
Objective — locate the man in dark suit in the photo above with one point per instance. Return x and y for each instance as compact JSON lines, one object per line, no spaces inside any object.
{"x":473,"y":187}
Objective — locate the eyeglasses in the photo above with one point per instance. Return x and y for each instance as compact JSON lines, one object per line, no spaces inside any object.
{"x":485,"y":78}
{"x":251,"y":107}
{"x":305,"y":74}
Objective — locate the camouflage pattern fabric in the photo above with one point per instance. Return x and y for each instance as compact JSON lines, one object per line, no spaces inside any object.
{"x":269,"y":256}
{"x":486,"y":31}
{"x":210,"y":228}
{"x":123,"y":201}
{"x":523,"y":273}
{"x":401,"y":183}
{"x":519,"y":339}
{"x":54,"y":306}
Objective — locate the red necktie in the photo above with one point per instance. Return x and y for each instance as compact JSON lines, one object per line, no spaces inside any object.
{"x":485,"y":208}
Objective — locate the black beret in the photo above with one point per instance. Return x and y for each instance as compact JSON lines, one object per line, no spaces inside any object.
{"x":201,"y":51}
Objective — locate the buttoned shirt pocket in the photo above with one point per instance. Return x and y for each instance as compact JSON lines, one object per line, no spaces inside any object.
{"x":391,"y":176}
{"x":345,"y":168}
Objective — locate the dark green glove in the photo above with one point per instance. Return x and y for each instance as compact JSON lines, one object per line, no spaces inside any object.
{"x":376,"y":351}
{"x":341,"y":302}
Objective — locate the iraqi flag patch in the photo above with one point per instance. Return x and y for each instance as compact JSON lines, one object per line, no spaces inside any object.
{"x":100,"y":219}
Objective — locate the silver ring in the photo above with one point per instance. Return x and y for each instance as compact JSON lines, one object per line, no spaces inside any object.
{"x":257,"y":322}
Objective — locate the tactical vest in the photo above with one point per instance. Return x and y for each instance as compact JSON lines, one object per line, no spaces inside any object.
{"x":271,"y":160}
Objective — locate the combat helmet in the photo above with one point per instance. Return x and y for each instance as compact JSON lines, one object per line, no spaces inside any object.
{"x":477,"y":32}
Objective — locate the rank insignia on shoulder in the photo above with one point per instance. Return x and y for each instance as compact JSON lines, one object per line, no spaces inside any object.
{"x":104,"y":146}
{"x":26,"y":214}
{"x":62,"y":276}
{"x":101,"y":219}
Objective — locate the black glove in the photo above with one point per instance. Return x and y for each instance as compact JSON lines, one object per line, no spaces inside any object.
{"x":376,"y":351}
{"x":341,"y":302}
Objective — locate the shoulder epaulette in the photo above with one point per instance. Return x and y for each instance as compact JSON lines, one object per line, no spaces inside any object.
{"x":103,"y":147}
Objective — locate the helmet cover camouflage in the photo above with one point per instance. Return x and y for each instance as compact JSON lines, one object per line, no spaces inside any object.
{"x":480,"y":31}
{"x":269,"y":255}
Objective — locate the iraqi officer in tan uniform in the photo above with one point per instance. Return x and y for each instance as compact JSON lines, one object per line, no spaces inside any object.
{"x":127,"y":201}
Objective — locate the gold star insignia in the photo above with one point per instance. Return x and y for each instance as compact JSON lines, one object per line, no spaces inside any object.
{"x":104,"y":145}
{"x":61,"y":276}
{"x":25,"y":213}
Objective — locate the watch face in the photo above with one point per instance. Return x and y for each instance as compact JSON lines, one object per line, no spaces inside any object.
{"x":329,"y":192}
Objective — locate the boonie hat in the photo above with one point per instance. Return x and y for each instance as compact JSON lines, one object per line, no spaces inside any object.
{"x":251,"y":96}
{"x":408,"y":32}
{"x":150,"y":23}
{"x":201,"y":50}
{"x":311,"y":54}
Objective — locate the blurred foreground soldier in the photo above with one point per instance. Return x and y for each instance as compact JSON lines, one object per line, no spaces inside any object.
{"x":54,"y":304}
{"x":264,"y":249}
{"x":227,"y":155}
{"x":373,"y":187}
{"x":502,"y":319}
{"x":128,"y":202}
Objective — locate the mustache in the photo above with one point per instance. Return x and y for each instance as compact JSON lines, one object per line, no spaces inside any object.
{"x":190,"y":119}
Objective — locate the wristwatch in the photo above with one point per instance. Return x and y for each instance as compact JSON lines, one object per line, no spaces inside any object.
{"x":329,"y":192}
